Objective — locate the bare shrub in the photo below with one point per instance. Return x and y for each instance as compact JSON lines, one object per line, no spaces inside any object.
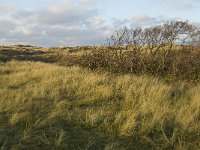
{"x":170,"y":49}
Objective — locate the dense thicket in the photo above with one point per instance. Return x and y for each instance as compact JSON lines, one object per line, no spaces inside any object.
{"x":170,"y":49}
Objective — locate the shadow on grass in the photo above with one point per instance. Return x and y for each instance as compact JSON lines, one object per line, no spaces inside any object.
{"x":76,"y":136}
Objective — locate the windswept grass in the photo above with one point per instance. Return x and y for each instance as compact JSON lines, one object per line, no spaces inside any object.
{"x":44,"y":106}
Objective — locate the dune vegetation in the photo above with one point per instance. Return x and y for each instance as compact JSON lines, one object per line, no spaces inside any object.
{"x":140,"y":92}
{"x":46,"y":106}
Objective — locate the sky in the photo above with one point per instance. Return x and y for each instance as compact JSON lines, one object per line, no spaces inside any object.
{"x":50,"y":23}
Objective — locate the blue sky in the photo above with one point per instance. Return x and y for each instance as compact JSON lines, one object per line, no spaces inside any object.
{"x":84,"y":22}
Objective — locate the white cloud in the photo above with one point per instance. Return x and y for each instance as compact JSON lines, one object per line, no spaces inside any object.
{"x":57,"y":24}
{"x":68,"y":22}
{"x":142,"y":19}
{"x":139,"y":20}
{"x":146,"y":20}
{"x":95,"y":22}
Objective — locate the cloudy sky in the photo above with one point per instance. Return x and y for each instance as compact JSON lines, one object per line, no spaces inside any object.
{"x":84,"y":22}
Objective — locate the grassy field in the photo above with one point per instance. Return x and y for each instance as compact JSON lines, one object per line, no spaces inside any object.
{"x":47,"y":106}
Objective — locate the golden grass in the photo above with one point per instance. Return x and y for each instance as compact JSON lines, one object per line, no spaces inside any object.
{"x":44,"y":106}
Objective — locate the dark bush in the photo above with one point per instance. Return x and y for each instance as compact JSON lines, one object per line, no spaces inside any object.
{"x":178,"y":63}
{"x":171,"y":49}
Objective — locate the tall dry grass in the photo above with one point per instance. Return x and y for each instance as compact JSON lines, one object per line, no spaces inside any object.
{"x":44,"y":106}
